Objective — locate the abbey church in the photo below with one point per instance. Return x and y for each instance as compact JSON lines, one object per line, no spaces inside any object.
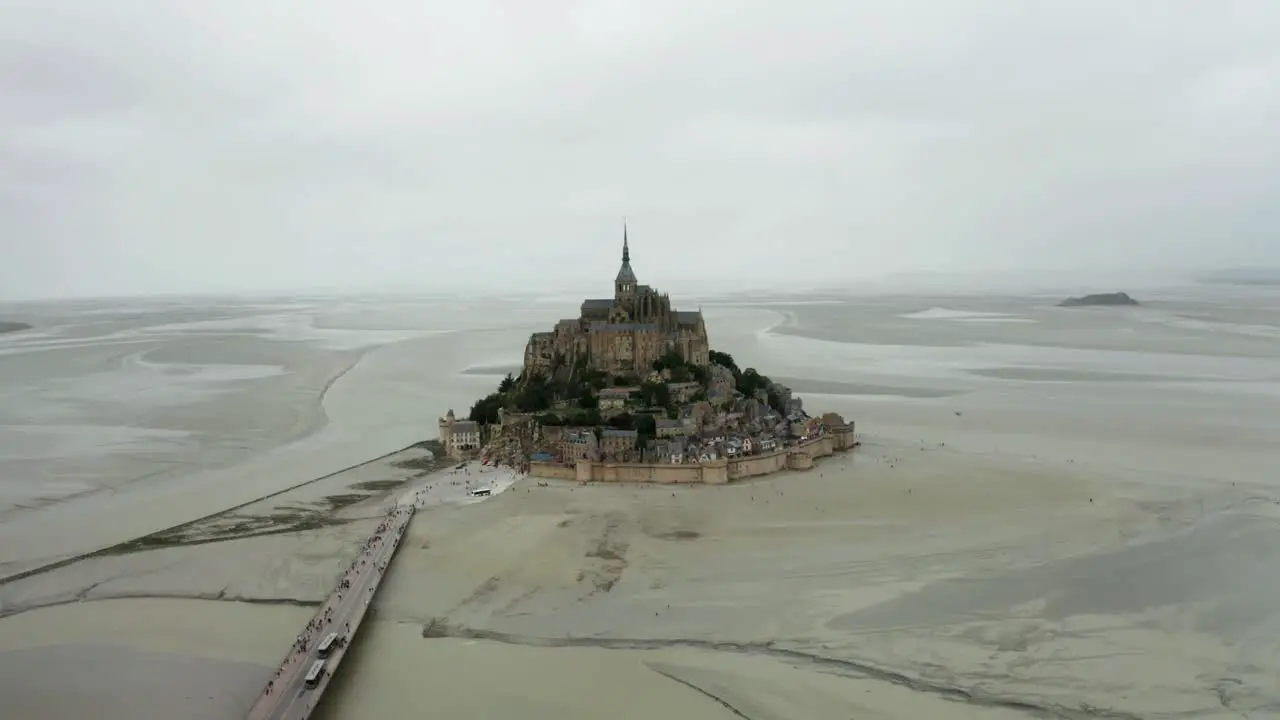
{"x":623,"y":334}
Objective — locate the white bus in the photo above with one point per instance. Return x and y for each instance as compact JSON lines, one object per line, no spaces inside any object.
{"x":326,"y":645}
{"x":480,"y":492}
{"x":315,"y":673}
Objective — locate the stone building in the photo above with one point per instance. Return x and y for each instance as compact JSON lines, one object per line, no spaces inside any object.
{"x":579,"y":444}
{"x":622,"y":335}
{"x":615,"y":398}
{"x":667,"y":428}
{"x":618,"y":445}
{"x":459,"y":437}
{"x":683,"y":392}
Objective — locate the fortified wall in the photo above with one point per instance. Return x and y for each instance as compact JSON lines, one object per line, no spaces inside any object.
{"x":714,"y":472}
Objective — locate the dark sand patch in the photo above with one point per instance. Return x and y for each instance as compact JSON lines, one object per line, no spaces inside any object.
{"x":8,"y":327}
{"x":492,"y":370}
{"x":831,"y":387}
{"x":428,"y":463}
{"x":236,"y":527}
{"x":1028,"y":374}
{"x":379,"y":485}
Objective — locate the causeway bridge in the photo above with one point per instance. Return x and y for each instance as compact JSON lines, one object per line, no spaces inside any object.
{"x":296,"y":688}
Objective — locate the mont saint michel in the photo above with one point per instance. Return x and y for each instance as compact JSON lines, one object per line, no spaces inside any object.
{"x":630,"y":390}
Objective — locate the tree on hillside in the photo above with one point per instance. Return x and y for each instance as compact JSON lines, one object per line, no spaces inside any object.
{"x":698,"y":373}
{"x":724,"y":360}
{"x":485,"y":411}
{"x":670,"y":360}
{"x":653,"y":394}
{"x":750,"y":381}
{"x":535,"y":396}
{"x":646,"y":426}
{"x":625,"y":421}
{"x":507,"y":384}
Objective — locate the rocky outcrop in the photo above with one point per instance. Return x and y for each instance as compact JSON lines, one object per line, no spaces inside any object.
{"x":1100,"y":299}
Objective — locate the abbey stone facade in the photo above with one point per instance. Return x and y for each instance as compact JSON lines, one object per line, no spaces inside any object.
{"x":623,"y":334}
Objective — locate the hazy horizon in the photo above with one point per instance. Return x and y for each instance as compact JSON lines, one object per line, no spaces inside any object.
{"x":1023,"y":283}
{"x":148,"y":148}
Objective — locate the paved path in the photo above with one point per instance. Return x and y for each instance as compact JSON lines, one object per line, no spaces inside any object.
{"x":287,"y":697}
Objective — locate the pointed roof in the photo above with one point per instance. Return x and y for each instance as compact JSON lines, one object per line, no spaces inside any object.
{"x":625,"y":273}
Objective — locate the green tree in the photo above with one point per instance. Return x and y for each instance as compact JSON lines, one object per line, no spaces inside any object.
{"x":699,"y":373}
{"x":535,"y":396}
{"x":653,"y":394}
{"x":724,"y":360}
{"x":507,"y":384}
{"x":485,"y":410}
{"x":750,"y":381}
{"x":646,"y":426}
{"x":589,"y":401}
{"x":625,"y":421}
{"x":670,"y":360}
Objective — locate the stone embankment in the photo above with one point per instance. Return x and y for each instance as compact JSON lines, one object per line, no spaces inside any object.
{"x":714,"y":472}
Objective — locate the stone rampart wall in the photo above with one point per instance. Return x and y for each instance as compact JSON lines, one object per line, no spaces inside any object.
{"x":715,"y":472}
{"x":758,"y":465}
{"x":552,"y":471}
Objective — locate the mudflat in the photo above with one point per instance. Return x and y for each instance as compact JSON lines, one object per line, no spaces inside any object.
{"x":1052,"y":513}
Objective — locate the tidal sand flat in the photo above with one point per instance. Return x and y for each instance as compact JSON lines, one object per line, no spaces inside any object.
{"x":142,"y":658}
{"x":770,"y":570}
{"x":1093,"y":546}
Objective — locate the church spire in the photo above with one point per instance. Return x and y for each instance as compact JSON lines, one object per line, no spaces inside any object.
{"x":625,"y":283}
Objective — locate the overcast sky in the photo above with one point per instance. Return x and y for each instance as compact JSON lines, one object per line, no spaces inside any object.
{"x":156,"y":146}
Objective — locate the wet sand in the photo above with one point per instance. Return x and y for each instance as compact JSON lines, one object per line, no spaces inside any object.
{"x":1094,"y":546}
{"x":8,"y":327}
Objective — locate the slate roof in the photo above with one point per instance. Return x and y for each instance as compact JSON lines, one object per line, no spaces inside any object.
{"x":622,"y":327}
{"x":688,"y":317}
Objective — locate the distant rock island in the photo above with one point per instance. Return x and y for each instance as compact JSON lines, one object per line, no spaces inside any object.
{"x":8,"y":327}
{"x":631,"y":391}
{"x":1103,"y":299}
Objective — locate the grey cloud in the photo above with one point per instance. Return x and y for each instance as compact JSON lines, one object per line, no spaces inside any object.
{"x":158,"y":147}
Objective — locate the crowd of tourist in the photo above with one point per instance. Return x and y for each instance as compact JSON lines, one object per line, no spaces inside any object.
{"x":323,"y":623}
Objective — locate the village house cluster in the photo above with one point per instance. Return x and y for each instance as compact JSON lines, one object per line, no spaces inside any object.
{"x":726,"y":424}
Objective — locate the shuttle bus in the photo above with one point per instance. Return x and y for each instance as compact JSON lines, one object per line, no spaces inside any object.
{"x":315,"y":673}
{"x":326,"y":645}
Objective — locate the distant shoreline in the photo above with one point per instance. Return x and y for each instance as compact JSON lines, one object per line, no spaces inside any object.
{"x":8,"y":327}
